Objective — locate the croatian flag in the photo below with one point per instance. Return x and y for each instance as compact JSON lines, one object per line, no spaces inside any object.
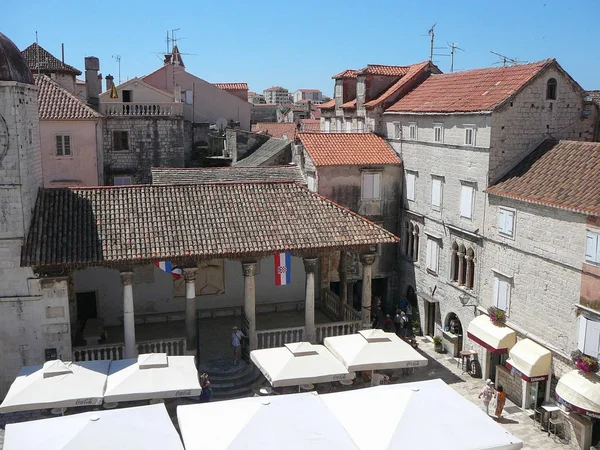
{"x":283,"y":269}
{"x":168,"y":267}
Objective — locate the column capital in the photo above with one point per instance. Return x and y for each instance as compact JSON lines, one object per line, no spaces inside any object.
{"x":190,"y":273}
{"x":367,"y":258}
{"x":310,"y":264}
{"x":249,"y":268}
{"x":126,"y":277}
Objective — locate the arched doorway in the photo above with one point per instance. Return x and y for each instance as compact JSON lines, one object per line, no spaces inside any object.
{"x":453,"y":326}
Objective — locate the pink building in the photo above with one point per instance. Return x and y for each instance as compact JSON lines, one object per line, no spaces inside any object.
{"x":71,"y":137}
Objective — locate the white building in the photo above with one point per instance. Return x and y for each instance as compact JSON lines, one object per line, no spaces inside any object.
{"x":277,"y":95}
{"x":314,"y":95}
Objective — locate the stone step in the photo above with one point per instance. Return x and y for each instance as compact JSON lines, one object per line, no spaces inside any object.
{"x":222,"y":368}
{"x":250,"y":372}
{"x":230,"y":394}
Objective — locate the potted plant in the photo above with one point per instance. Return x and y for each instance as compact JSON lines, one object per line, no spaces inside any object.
{"x":497,"y":315}
{"x":437,"y":344}
{"x":585,"y":363}
{"x":416,"y":327}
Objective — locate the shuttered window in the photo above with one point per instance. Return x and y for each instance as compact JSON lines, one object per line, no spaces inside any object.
{"x":371,"y":186}
{"x":410,"y":186}
{"x":433,"y":252}
{"x":466,"y":201}
{"x":589,"y":337}
{"x":592,"y":247}
{"x":436,"y":192}
{"x":506,"y":222}
{"x":501,"y":293}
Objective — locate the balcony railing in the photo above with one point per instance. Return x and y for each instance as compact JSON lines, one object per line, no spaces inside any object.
{"x":139,"y":109}
{"x":172,"y":347}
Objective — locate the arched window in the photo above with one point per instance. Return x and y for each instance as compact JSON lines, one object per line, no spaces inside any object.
{"x":416,"y":244}
{"x":551,"y":89}
{"x":470,"y":277}
{"x":454,"y":263}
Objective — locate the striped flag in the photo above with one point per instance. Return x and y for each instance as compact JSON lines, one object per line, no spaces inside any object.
{"x":283,"y":269}
{"x":167,"y":266}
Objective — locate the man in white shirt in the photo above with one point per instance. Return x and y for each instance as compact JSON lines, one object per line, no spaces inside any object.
{"x":236,"y":344}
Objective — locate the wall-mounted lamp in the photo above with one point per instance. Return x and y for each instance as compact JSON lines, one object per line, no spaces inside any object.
{"x":465,"y":300}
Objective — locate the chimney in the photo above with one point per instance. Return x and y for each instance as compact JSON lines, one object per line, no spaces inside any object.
{"x":63,"y":53}
{"x":99,"y":84}
{"x":92,"y":65}
{"x":109,"y":82}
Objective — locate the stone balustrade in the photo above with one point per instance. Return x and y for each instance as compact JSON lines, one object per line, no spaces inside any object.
{"x":139,"y":109}
{"x":172,"y":347}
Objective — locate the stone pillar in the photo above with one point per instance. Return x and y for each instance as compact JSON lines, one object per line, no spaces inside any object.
{"x":324,"y":275}
{"x":130,"y":350}
{"x":461,"y":265}
{"x":367,"y":261}
{"x":468,"y":262}
{"x":343,"y":277}
{"x":189,"y":274}
{"x":310,"y":265}
{"x":249,"y":270}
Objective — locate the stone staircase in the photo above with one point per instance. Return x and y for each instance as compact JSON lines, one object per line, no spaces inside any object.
{"x":228,"y":381}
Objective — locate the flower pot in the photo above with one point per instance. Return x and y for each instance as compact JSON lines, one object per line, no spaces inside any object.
{"x":416,"y":331}
{"x":438,"y":347}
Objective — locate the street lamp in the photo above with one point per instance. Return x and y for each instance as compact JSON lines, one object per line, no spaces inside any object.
{"x":465,"y":300}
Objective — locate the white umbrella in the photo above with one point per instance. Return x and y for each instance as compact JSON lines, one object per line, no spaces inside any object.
{"x":299,"y":363}
{"x":374,"y":350}
{"x":426,"y":414}
{"x":152,"y":376}
{"x":57,"y":384}
{"x":290,"y":422}
{"x":143,"y":428}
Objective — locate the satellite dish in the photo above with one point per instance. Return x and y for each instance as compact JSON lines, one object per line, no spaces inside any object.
{"x":221,"y":123}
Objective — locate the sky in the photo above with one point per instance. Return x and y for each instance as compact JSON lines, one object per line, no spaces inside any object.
{"x":300,"y":45}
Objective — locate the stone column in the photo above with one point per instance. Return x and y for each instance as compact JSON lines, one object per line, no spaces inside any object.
{"x":249,"y":270}
{"x":310,"y":265}
{"x":461,"y":265}
{"x":130,"y":350}
{"x":468,"y":260}
{"x":189,"y":274}
{"x":343,"y":277}
{"x":367,"y":261}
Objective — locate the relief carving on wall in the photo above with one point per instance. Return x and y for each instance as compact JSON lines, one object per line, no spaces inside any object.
{"x":209,"y":281}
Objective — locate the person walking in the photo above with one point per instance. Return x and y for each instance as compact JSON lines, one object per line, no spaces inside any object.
{"x":500,"y":400}
{"x":486,"y":394}
{"x":206,"y":389}
{"x":236,"y":344}
{"x":398,"y":322}
{"x":405,"y":324}
{"x":388,"y":324}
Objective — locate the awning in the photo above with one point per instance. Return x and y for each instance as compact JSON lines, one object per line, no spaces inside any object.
{"x":530,"y":361}
{"x":497,"y":339}
{"x":580,"y":392}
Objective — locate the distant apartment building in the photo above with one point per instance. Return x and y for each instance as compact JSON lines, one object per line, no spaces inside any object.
{"x":256,"y":99}
{"x":276,"y":95}
{"x":313,"y":95}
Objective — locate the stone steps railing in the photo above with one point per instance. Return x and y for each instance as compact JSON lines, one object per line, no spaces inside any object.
{"x":326,"y":330}
{"x":331,"y":304}
{"x":139,"y":109}
{"x":172,"y":347}
{"x":278,"y":337}
{"x":349,"y":314}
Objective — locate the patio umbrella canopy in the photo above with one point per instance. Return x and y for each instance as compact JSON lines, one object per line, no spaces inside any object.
{"x":143,"y":428}
{"x":290,"y":422}
{"x":374,"y":350}
{"x":299,"y":363}
{"x":57,"y":384}
{"x":152,"y":376}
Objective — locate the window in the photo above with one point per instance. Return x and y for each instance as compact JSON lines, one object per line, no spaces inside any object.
{"x":410,"y":185}
{"x":438,"y":133}
{"x":126,"y":96}
{"x":551,"y":89}
{"x":333,"y":122}
{"x":470,"y":136}
{"x":592,"y":247}
{"x":121,"y":181}
{"x":506,"y":222}
{"x":501,"y":293}
{"x":397,"y":131}
{"x":466,"y":201}
{"x":589,"y":337}
{"x":462,"y":265}
{"x":412,"y":131}
{"x":312,"y":182}
{"x":371,"y":186}
{"x":327,"y":126}
{"x":433,"y":252}
{"x":436,"y":193}
{"x":63,"y":145}
{"x":189,"y":97}
{"x":348,"y":126}
{"x":360,"y":125}
{"x":338,"y":126}
{"x":120,"y":140}
{"x":411,"y":241}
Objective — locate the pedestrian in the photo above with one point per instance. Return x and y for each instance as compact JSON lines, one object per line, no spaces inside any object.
{"x":388,"y":324}
{"x":486,"y":394}
{"x":500,"y":400}
{"x":409,"y":312}
{"x":398,"y":322}
{"x":405,"y":323}
{"x":206,"y":389}
{"x":403,"y":304}
{"x":236,"y":344}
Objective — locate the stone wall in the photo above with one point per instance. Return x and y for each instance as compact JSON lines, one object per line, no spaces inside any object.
{"x":263,"y":113}
{"x":512,"y":385}
{"x":153,"y":142}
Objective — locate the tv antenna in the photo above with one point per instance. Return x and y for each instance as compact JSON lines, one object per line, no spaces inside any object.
{"x":431,"y":33}
{"x":453,"y":47}
{"x":506,"y":60}
{"x":118,"y":59}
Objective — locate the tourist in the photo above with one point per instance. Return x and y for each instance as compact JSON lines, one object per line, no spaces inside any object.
{"x":236,"y":344}
{"x":206,"y":389}
{"x":500,"y":400}
{"x":409,"y":312}
{"x":486,"y":394}
{"x":403,"y":304}
{"x":405,"y":324}
{"x":388,"y":324}
{"x":398,"y":322}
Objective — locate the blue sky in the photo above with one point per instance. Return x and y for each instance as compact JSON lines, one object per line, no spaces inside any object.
{"x":302,"y":44}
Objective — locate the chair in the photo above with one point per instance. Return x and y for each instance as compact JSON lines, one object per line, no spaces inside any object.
{"x":554,"y":422}
{"x":538,"y":412}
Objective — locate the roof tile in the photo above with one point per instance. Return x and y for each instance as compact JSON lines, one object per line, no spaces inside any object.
{"x":232,"y":86}
{"x":47,"y":62}
{"x":277,"y":130}
{"x":56,"y":103}
{"x":163,"y":175}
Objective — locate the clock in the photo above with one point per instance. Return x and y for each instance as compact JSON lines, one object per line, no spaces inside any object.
{"x":3,"y":138}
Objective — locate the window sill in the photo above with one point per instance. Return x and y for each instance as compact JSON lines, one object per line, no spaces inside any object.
{"x":458,"y":287}
{"x":506,"y":236}
{"x":431,"y":272}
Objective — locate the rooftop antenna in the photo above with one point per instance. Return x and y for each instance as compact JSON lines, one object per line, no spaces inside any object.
{"x":453,"y":47}
{"x":118,"y":59}
{"x":37,"y":51}
{"x":506,"y":60}
{"x":431,"y":33}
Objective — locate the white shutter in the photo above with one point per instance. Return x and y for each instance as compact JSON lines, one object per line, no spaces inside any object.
{"x":509,"y":222}
{"x":436,"y":188}
{"x":502,"y":295}
{"x":466,"y":201}
{"x":429,"y":252}
{"x":367,"y":186}
{"x":591,"y":247}
{"x":501,"y":221}
{"x":582,"y":330}
{"x":435,"y":256}
{"x":592,"y":339}
{"x":311,"y":183}
{"x":376,"y":186}
{"x":496,"y":281}
{"x":410,"y":186}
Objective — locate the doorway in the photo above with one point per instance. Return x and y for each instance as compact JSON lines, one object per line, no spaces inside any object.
{"x":430,"y":313}
{"x":86,"y":306}
{"x":537,"y":394}
{"x":126,"y":96}
{"x":496,"y":359}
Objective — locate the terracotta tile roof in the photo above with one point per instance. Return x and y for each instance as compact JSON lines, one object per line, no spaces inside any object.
{"x":56,"y":103}
{"x":268,"y":153}
{"x":348,"y":149}
{"x":232,"y":86}
{"x":388,"y":71}
{"x":276,"y":88}
{"x":564,"y":174}
{"x":468,"y":91}
{"x":137,"y":224}
{"x":411,"y":77}
{"x":163,"y":175}
{"x":35,"y":54}
{"x":310,"y":125}
{"x":328,"y":105}
{"x":315,"y":110}
{"x":349,"y":105}
{"x":276,"y":129}
{"x":348,"y":73}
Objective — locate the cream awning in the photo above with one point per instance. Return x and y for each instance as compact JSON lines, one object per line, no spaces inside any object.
{"x":529,"y":360}
{"x":496,"y":338}
{"x":580,"y":392}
